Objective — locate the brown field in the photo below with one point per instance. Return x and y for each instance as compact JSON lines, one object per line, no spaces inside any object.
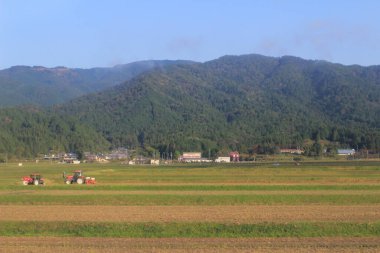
{"x":226,"y":214}
{"x":116,"y":245}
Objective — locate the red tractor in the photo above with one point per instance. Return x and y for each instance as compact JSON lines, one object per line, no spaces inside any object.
{"x":35,"y":179}
{"x":78,"y":178}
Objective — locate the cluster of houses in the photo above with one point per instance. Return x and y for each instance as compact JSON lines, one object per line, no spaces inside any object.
{"x":298,"y":151}
{"x":63,"y":158}
{"x":116,"y":154}
{"x":186,"y":157}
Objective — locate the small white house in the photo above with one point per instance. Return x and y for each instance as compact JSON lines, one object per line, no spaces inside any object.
{"x":155,"y":162}
{"x":223,"y":159}
{"x":346,"y":151}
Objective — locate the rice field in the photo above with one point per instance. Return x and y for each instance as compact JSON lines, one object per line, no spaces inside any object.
{"x":319,"y":206}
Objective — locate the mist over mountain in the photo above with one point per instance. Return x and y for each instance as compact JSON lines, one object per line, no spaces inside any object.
{"x":42,"y":86}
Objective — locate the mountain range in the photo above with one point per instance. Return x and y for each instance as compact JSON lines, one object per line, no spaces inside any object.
{"x":42,"y":86}
{"x":249,"y":103}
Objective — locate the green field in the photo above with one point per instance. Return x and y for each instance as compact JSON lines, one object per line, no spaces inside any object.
{"x":167,"y":230}
{"x":109,"y":175}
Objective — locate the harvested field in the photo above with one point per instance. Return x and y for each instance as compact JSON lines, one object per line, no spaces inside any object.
{"x":116,"y":245}
{"x":226,"y":214}
{"x":315,"y":207}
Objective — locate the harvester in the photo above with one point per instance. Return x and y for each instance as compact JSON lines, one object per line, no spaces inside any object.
{"x":33,"y":179}
{"x":78,"y":178}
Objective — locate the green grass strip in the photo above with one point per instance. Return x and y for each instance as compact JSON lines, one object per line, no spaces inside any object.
{"x":146,"y":199}
{"x":194,"y":187}
{"x":188,"y":230}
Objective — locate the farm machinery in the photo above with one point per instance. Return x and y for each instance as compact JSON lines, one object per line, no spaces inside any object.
{"x":33,"y":179}
{"x":78,"y":178}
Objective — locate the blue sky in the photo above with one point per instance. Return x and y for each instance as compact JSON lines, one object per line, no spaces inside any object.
{"x":90,"y":33}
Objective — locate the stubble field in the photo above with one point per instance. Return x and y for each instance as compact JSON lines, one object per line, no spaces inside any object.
{"x":262,"y":207}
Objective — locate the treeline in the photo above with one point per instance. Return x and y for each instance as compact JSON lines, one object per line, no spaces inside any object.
{"x":28,"y":132}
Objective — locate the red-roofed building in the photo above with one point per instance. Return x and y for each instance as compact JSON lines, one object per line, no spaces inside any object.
{"x":234,"y":156}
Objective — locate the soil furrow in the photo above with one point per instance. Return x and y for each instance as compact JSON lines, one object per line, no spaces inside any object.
{"x":115,"y":245}
{"x":229,"y":214}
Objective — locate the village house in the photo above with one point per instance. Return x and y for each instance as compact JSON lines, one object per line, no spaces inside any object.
{"x":346,"y":152}
{"x":190,"y":157}
{"x":223,"y":159}
{"x":234,"y":156}
{"x":291,"y":151}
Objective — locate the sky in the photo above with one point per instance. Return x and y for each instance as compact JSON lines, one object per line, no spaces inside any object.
{"x":104,"y":33}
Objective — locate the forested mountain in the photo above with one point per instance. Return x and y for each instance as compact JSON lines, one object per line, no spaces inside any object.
{"x":237,"y":102}
{"x":27,"y":132}
{"x":42,"y":86}
{"x":246,"y":103}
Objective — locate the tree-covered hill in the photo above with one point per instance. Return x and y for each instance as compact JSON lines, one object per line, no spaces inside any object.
{"x":242,"y":103}
{"x":236,"y":102}
{"x":28,"y":132}
{"x":42,"y":86}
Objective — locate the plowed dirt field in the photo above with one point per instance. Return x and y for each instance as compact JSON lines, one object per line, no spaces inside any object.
{"x":230,"y":214}
{"x":116,"y":245}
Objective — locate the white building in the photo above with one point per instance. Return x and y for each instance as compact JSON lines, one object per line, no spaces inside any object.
{"x":191,"y":157}
{"x":223,"y":159}
{"x":155,"y":162}
{"x":346,"y":151}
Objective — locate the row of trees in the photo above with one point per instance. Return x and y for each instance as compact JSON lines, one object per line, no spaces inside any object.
{"x":27,"y":132}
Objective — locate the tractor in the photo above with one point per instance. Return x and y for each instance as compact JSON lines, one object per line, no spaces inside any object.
{"x":33,"y":179}
{"x":78,"y":178}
